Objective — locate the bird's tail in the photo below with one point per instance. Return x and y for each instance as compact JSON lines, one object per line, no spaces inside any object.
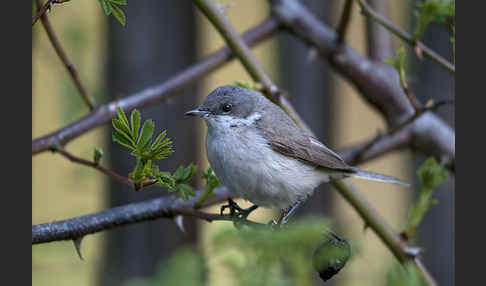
{"x":358,"y":173}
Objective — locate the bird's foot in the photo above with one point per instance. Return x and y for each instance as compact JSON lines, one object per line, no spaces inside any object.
{"x":236,"y":211}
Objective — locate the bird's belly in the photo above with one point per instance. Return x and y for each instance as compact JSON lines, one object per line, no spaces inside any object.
{"x":252,"y":170}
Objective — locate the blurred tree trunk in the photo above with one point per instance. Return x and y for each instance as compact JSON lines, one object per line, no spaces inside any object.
{"x":307,"y":79}
{"x":158,"y":41}
{"x":436,"y":233}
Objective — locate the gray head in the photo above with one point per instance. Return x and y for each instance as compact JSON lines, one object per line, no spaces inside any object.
{"x":229,"y":100}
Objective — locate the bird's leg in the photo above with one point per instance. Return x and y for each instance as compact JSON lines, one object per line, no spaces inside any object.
{"x":285,"y":214}
{"x":236,"y":210}
{"x":291,"y":211}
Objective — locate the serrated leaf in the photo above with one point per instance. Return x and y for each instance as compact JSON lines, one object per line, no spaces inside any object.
{"x":106,"y":7}
{"x":118,"y":2}
{"x":145,"y":136}
{"x":118,"y":14}
{"x":122,"y":117}
{"x":123,"y":129}
{"x":165,"y":179}
{"x":122,"y":140}
{"x":135,"y":123}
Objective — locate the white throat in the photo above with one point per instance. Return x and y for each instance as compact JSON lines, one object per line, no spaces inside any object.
{"x":223,"y":123}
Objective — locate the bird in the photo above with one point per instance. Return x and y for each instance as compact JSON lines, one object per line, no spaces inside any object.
{"x":260,"y":154}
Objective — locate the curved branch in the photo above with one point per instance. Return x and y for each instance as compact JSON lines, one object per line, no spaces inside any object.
{"x":154,"y":94}
{"x":378,"y":83}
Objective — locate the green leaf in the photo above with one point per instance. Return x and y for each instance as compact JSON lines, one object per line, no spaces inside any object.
{"x":185,"y":191}
{"x":123,"y":129}
{"x":98,"y":153}
{"x":106,"y":7}
{"x":118,"y":14}
{"x":145,"y":136}
{"x":165,"y":179}
{"x":137,"y":175}
{"x":432,"y":174}
{"x":135,"y":123}
{"x":118,"y":2}
{"x":212,"y":182}
{"x":182,"y":175}
{"x":122,"y":117}
{"x":121,"y":139}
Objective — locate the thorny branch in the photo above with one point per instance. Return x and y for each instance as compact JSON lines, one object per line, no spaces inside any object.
{"x":97,"y":166}
{"x":163,"y":207}
{"x":62,"y":55}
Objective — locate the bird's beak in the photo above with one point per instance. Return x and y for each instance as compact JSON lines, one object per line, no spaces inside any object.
{"x":196,"y":112}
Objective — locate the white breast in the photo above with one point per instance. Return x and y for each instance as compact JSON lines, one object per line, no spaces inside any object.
{"x":244,"y":162}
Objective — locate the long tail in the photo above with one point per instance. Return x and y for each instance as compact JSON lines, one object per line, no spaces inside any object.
{"x":359,"y":173}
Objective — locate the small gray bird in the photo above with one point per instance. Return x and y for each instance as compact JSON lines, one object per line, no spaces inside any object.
{"x":261,"y":155}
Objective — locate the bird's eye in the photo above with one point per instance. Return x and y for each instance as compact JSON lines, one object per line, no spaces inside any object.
{"x":227,"y":107}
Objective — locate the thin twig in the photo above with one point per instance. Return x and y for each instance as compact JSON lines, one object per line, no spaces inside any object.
{"x":43,"y":9}
{"x":378,"y":39}
{"x":65,"y":60}
{"x":97,"y":166}
{"x":406,"y":37}
{"x":344,"y":22}
{"x":153,"y":94}
{"x":215,"y":15}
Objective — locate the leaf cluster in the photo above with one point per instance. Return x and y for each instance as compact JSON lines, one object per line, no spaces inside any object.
{"x":431,"y":175}
{"x":112,"y":7}
{"x":139,"y":141}
{"x":434,"y":11}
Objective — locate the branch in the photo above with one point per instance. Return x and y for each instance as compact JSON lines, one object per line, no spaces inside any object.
{"x":43,"y":8}
{"x":214,"y":14}
{"x":378,"y":83}
{"x":151,"y":95}
{"x":378,"y":38}
{"x":97,"y":166}
{"x":373,"y":219}
{"x":210,"y":9}
{"x":62,"y":55}
{"x":163,"y":207}
{"x":406,"y":37}
{"x":344,"y":22}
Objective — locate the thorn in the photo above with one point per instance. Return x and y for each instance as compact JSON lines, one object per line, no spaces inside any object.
{"x":77,"y":245}
{"x":179,"y":221}
{"x":413,"y":251}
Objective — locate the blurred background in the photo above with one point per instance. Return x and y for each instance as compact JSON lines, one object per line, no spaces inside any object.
{"x":162,"y":38}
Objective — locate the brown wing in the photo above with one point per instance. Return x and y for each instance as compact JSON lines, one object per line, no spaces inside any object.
{"x":288,"y":139}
